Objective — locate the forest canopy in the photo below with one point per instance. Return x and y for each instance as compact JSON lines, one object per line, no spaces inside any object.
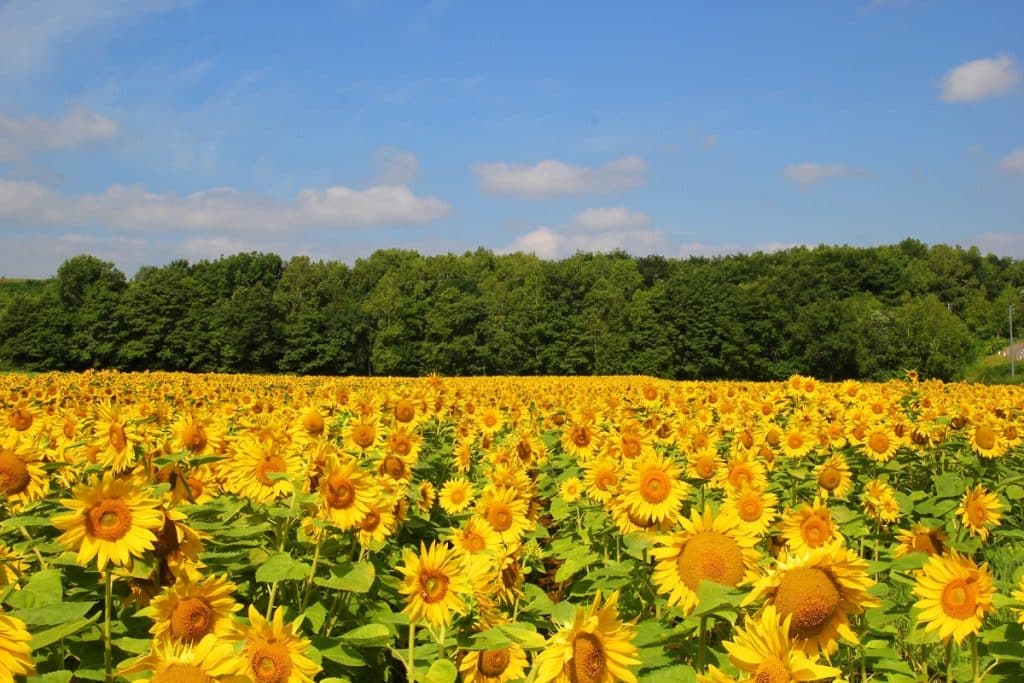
{"x":834,"y":312}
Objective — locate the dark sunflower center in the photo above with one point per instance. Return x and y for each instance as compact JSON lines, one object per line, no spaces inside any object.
{"x":811,"y":597}
{"x":589,"y":664}
{"x":499,"y":516}
{"x":492,"y":662}
{"x":655,"y":486}
{"x":393,"y":467}
{"x":405,"y":411}
{"x":433,"y":585}
{"x":772,"y":670}
{"x":364,"y":435}
{"x":960,"y":598}
{"x":830,"y":478}
{"x":191,"y":620}
{"x":711,"y":556}
{"x":340,"y":492}
{"x":110,"y":519}
{"x":14,"y":476}
{"x":269,"y":463}
{"x":271,"y":663}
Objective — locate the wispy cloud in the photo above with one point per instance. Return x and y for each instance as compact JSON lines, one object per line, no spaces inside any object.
{"x":600,"y":229}
{"x":219,"y":210}
{"x":31,"y":31}
{"x":21,"y":138}
{"x":551,"y":178}
{"x":1013,"y":162}
{"x":611,"y":218}
{"x":395,"y":166}
{"x":981,"y":79}
{"x":808,"y":173}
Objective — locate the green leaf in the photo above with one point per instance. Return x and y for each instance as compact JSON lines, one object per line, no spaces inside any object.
{"x":315,"y":615}
{"x":282,"y":567}
{"x":574,"y":564}
{"x":635,"y":544}
{"x":948,"y":485}
{"x":50,"y":636}
{"x":714,"y":598}
{"x":441,"y":671}
{"x":16,"y":522}
{"x":369,"y":635}
{"x":53,"y":615}
{"x":52,"y":677}
{"x":491,"y":639}
{"x":134,"y":646}
{"x":357,"y":578}
{"x":523,"y":634}
{"x":681,"y":673}
{"x":44,"y":588}
{"x":331,"y":649}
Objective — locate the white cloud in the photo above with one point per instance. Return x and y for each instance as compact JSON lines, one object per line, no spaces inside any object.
{"x":1013,"y":162}
{"x":550,"y":178}
{"x":604,"y":229}
{"x":395,"y":166}
{"x":20,"y":138}
{"x":980,"y":79}
{"x":218,"y":209}
{"x":808,"y":173}
{"x":612,"y":218}
{"x":31,"y":30}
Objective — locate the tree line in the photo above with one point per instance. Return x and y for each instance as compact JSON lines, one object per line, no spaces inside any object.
{"x":834,"y":312}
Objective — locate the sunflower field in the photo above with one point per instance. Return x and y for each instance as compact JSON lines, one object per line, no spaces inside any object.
{"x":189,"y":528}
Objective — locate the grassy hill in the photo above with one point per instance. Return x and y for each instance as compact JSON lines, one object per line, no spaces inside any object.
{"x":995,"y":369}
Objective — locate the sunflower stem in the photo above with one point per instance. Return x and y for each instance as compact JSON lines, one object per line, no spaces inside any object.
{"x":108,"y":602}
{"x":412,"y":651}
{"x":440,"y":642}
{"x":702,"y":647}
{"x":39,"y":556}
{"x":949,"y":661}
{"x":308,"y":590}
{"x":974,"y":658}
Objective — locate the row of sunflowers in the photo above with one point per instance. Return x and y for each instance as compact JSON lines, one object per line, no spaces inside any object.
{"x":181,"y":528}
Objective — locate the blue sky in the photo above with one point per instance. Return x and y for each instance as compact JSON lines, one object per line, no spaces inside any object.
{"x":147,"y":130}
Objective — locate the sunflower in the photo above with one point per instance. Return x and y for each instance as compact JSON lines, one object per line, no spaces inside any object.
{"x":955,"y":595}
{"x":579,"y":440}
{"x":188,"y":611}
{"x":490,"y":421}
{"x":115,"y":438}
{"x":23,"y":418}
{"x":1018,"y":595}
{"x":763,"y":648}
{"x":22,"y":477}
{"x":274,"y":652}
{"x":261,"y":470}
{"x":15,"y":651}
{"x":703,"y":463}
{"x":375,"y":527}
{"x":109,"y":519}
{"x":601,"y":479}
{"x":753,"y":507}
{"x":456,"y":495}
{"x":741,"y":470}
{"x":797,"y":441}
{"x":433,"y":584}
{"x":633,"y":441}
{"x":819,"y":589}
{"x":401,"y":441}
{"x":570,"y":489}
{"x":654,"y":489}
{"x":169,"y":662}
{"x":987,"y":439}
{"x":494,"y":666}
{"x":407,"y":410}
{"x":707,"y":549}
{"x":475,"y":538}
{"x":980,"y":511}
{"x":427,"y":494}
{"x":809,"y":526}
{"x":504,"y":512}
{"x":529,"y":447}
{"x":191,"y":433}
{"x":362,"y":433}
{"x":595,"y":647}
{"x":178,"y":546}
{"x":346,"y":492}
{"x":920,"y":539}
{"x":879,"y":442}
{"x":833,"y":477}
{"x":12,"y":565}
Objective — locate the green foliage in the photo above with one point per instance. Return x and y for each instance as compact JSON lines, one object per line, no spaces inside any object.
{"x":834,"y":312}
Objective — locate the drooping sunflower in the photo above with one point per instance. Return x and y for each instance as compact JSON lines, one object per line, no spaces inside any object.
{"x":809,"y":526}
{"x":109,"y":519}
{"x":763,"y":648}
{"x":819,"y":589}
{"x":427,"y":494}
{"x":456,"y":495}
{"x":188,"y":611}
{"x":261,"y":470}
{"x":955,"y":595}
{"x":22,"y":477}
{"x":834,"y":477}
{"x":15,"y":651}
{"x":708,"y":548}
{"x":654,"y":490}
{"x":178,"y":546}
{"x":275,"y":652}
{"x":504,"y":512}
{"x":980,"y":511}
{"x":753,"y":507}
{"x":346,"y":492}
{"x":595,"y":647}
{"x":433,"y":584}
{"x":920,"y":539}
{"x":494,"y":666}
